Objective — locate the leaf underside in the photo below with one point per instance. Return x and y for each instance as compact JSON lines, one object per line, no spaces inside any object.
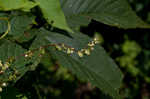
{"x":97,"y":68}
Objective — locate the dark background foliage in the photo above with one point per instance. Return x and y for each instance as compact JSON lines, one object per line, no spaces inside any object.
{"x":129,"y":48}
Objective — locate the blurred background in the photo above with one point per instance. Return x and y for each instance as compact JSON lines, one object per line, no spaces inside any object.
{"x":129,"y":48}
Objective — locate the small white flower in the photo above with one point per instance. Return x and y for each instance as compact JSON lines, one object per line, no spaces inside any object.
{"x":96,"y":41}
{"x":80,"y":54}
{"x":1,"y":63}
{"x":58,"y":47}
{"x":91,"y":44}
{"x":91,"y":48}
{"x":26,"y":55}
{"x":68,"y":51}
{"x":87,"y":51}
{"x":4,"y":84}
{"x":1,"y":89}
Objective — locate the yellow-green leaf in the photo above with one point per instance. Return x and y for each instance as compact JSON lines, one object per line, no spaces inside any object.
{"x":52,"y":12}
{"x":25,"y":5}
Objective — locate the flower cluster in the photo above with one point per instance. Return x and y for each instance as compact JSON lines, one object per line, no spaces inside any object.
{"x":64,"y":48}
{"x":82,"y":52}
{"x":28,"y":54}
{"x":89,"y":48}
{"x":3,"y":68}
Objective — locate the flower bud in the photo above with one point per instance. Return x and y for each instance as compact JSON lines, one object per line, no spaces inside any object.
{"x":80,"y":54}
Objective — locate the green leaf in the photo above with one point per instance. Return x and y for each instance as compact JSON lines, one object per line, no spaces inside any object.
{"x":28,"y":5}
{"x":27,"y":35}
{"x":98,"y":68}
{"x":17,"y":29}
{"x":112,"y":12}
{"x":19,"y":24}
{"x":19,"y":65}
{"x":3,"y":23}
{"x":3,"y":26}
{"x":53,"y":14}
{"x":25,"y":5}
{"x":7,"y":51}
{"x":76,"y":22}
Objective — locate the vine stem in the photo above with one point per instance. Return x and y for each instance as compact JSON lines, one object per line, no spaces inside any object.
{"x":45,"y":46}
{"x":8,"y":29}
